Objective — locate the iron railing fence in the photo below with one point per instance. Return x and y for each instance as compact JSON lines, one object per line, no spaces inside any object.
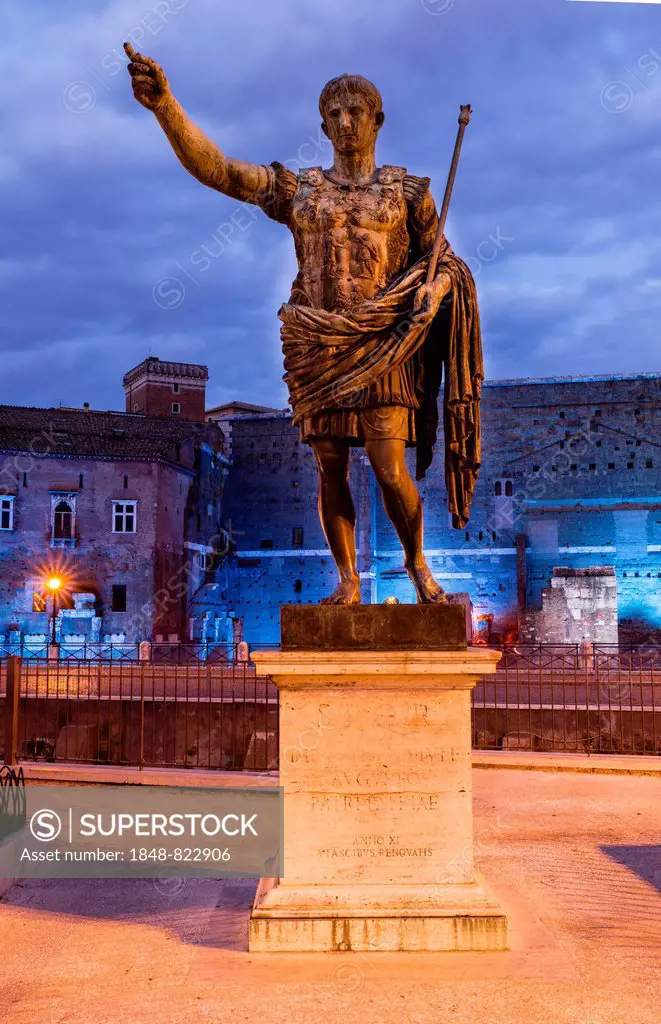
{"x":163,"y":653}
{"x":193,"y":715}
{"x":585,"y":698}
{"x":220,"y":714}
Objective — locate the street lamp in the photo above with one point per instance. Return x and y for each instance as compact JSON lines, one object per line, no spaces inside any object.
{"x":54,"y":583}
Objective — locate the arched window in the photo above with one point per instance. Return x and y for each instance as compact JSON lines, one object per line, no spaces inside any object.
{"x":508,"y":488}
{"x":498,"y":489}
{"x":62,"y":521}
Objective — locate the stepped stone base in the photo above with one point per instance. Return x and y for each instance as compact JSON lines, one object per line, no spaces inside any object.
{"x":376,"y":766}
{"x":393,"y":919}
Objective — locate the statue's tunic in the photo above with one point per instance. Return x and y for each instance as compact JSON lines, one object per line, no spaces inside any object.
{"x":351,"y":242}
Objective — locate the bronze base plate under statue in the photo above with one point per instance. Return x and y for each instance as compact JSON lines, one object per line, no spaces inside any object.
{"x":376,"y":767}
{"x":375,"y":627}
{"x":372,"y":627}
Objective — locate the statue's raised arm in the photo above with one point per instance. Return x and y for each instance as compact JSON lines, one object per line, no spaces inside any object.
{"x":198,"y":154}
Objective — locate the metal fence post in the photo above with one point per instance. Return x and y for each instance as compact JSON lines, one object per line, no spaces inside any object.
{"x":142,"y":715}
{"x":12,"y":707}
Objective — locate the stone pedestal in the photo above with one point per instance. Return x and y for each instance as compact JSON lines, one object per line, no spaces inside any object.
{"x":375,"y":761}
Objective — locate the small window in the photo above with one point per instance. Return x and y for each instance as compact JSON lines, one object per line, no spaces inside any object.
{"x":298,"y":586}
{"x":25,"y":479}
{"x":266,"y":544}
{"x":573,"y":467}
{"x":611,"y":465}
{"x":124,"y":516}
{"x":562,"y":415}
{"x":648,"y":464}
{"x":297,"y":537}
{"x":176,"y":407}
{"x":136,"y":407}
{"x":508,"y":488}
{"x":39,"y":601}
{"x":629,"y":465}
{"x":498,"y":489}
{"x":535,"y":469}
{"x":81,"y":480}
{"x":592,"y":466}
{"x":205,"y":560}
{"x":62,"y":521}
{"x":480,"y":535}
{"x":175,"y":389}
{"x":597,"y":412}
{"x":119,"y":597}
{"x":126,"y":481}
{"x":7,"y":513}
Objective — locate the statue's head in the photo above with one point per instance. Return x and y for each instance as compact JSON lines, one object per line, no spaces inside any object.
{"x":350,"y":108}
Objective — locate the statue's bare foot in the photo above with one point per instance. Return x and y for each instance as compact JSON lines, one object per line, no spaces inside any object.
{"x":428,"y":590}
{"x":346,"y":592}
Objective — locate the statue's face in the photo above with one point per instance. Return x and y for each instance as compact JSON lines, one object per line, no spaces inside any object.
{"x":351,"y":124}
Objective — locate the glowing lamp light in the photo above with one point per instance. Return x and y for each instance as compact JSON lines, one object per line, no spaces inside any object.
{"x":54,"y":583}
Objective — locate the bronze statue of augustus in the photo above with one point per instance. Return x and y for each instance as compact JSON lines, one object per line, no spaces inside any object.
{"x":366,"y":337}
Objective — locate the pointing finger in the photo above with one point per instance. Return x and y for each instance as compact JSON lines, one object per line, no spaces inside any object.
{"x":141,"y":58}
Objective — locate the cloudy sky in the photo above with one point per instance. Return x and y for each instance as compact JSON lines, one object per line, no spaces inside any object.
{"x":557,"y":206}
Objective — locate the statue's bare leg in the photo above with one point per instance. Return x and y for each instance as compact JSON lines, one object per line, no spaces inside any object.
{"x":404,"y":508}
{"x":338,"y":516}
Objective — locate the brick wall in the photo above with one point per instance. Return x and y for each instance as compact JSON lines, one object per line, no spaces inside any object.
{"x":573,"y":466}
{"x":99,"y":558}
{"x":155,"y":398}
{"x":178,"y":515}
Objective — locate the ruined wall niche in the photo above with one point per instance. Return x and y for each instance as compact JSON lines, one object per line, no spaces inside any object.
{"x":578,"y":605}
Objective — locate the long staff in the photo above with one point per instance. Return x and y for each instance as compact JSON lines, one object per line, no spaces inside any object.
{"x":464,"y":117}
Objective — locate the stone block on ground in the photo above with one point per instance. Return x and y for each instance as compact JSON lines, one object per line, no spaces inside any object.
{"x":77,"y":742}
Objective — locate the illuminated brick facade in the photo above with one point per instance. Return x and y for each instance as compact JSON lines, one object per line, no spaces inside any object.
{"x":571,"y":478}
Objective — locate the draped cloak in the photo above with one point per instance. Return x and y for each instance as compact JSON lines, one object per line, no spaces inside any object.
{"x":330,"y":356}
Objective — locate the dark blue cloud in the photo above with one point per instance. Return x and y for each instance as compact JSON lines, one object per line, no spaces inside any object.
{"x":556,"y":207}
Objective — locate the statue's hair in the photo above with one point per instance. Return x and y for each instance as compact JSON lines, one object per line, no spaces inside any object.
{"x":348,"y":85}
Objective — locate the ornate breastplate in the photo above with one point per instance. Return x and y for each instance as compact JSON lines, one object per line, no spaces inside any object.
{"x":351,"y":240}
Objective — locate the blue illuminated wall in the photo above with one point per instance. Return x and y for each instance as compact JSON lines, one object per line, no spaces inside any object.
{"x":572,"y":466}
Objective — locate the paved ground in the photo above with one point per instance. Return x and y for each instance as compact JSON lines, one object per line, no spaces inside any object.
{"x":575,"y":858}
